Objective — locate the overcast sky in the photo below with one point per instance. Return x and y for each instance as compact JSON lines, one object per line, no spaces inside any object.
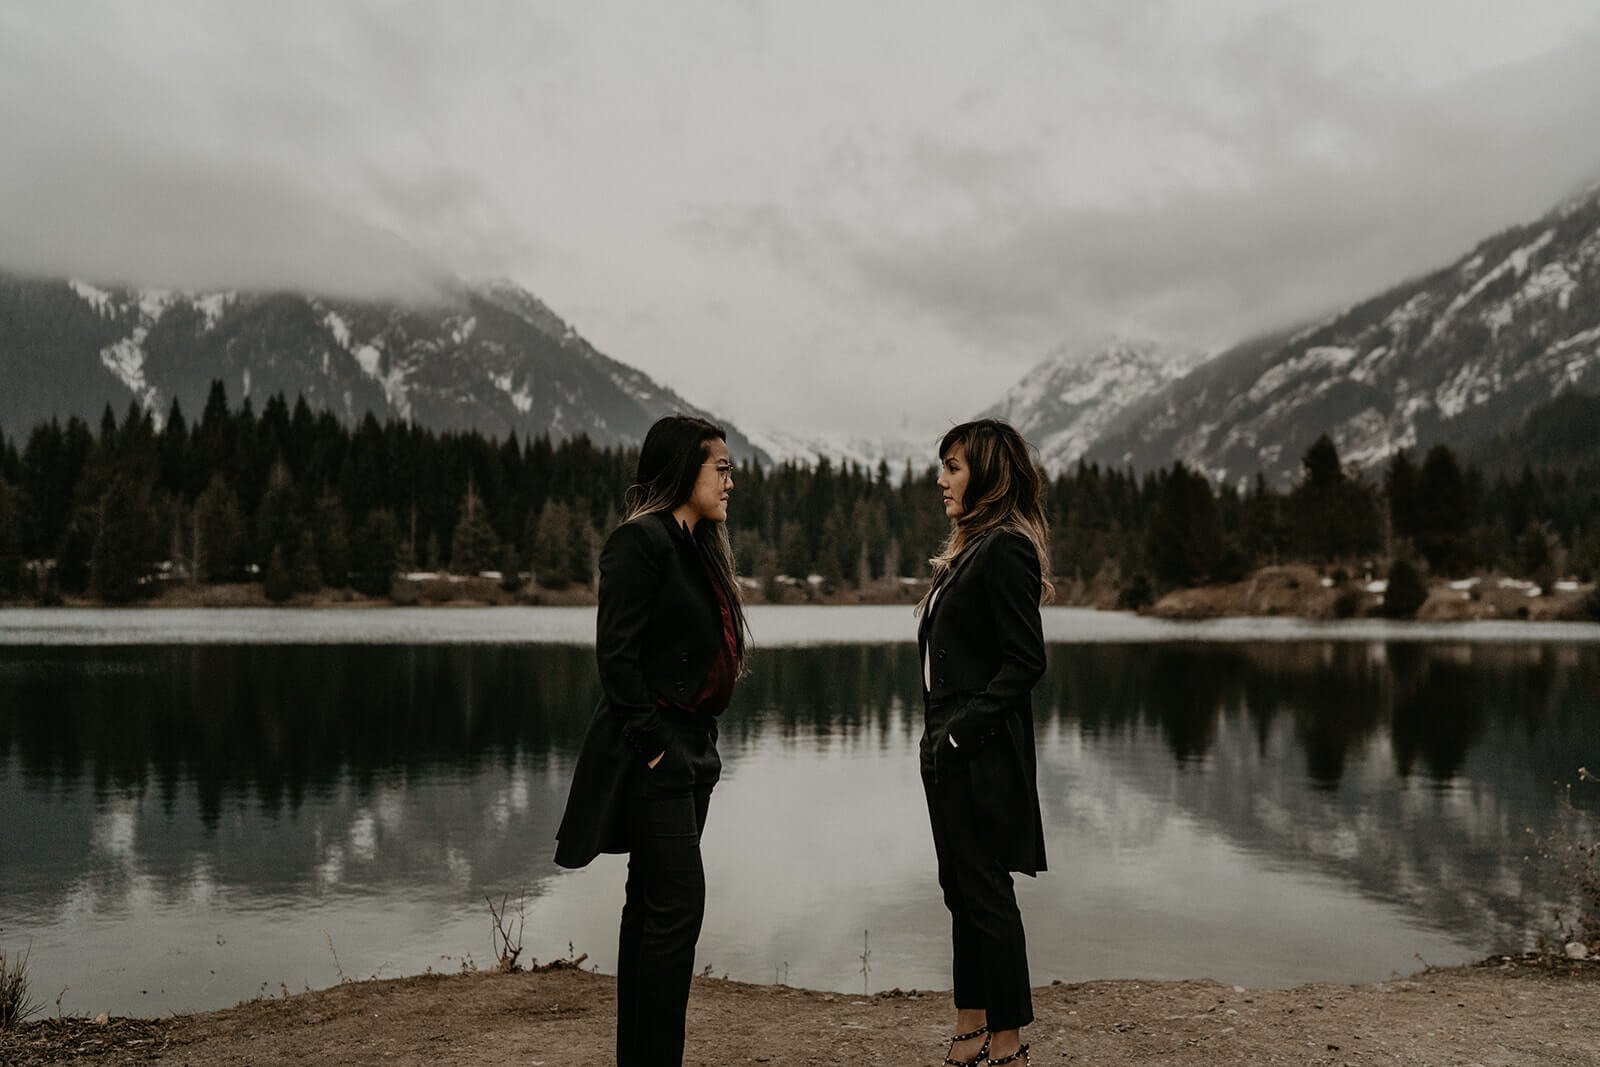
{"x":857,"y":217}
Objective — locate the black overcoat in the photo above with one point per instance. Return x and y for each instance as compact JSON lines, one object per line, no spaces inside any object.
{"x":657,"y":632}
{"x":984,"y":644}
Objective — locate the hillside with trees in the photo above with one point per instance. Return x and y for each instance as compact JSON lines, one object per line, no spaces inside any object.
{"x":299,"y":502}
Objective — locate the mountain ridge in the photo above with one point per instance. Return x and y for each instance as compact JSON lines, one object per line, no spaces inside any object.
{"x":491,"y":357}
{"x":1453,"y":356}
{"x":1073,"y":397}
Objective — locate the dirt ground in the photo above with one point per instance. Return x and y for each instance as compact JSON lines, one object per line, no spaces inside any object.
{"x":1502,"y":1012}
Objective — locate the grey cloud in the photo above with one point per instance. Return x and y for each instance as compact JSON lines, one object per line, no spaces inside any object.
{"x":261,"y":176}
{"x":989,"y":176}
{"x":198,"y":224}
{"x":768,"y":228}
{"x":1425,"y":178}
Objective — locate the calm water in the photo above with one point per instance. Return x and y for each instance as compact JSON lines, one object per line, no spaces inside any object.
{"x":239,"y":801}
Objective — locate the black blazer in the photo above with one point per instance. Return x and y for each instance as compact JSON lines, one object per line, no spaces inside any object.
{"x":984,"y":644}
{"x":656,"y":634}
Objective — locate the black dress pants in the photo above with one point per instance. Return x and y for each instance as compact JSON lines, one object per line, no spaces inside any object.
{"x":990,"y":957}
{"x":665,"y":901}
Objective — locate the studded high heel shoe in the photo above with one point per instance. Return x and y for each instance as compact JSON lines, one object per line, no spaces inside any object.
{"x":982,"y":1052}
{"x":1020,"y":1054}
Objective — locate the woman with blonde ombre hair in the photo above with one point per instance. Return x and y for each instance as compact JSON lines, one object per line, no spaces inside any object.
{"x":982,"y":651}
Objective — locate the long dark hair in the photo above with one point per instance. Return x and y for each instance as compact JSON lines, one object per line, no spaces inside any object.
{"x":669,"y":464}
{"x":1004,"y":492}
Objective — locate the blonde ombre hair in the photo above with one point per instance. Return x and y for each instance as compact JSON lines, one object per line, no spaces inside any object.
{"x":1004,"y":492}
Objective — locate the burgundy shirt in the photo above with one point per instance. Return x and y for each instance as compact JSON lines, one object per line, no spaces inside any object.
{"x":717,"y":690}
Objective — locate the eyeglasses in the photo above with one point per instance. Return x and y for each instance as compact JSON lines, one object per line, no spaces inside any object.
{"x":724,"y":471}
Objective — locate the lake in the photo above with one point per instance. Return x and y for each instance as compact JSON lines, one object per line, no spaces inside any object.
{"x":197,"y":807}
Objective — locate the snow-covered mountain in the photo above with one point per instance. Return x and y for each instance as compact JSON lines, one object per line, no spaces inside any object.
{"x":1456,"y":357}
{"x":492,"y":358}
{"x":839,"y":449}
{"x":1075,"y":397}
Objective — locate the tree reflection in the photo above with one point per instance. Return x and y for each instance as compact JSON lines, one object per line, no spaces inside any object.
{"x":281,"y":721}
{"x":284,"y":722}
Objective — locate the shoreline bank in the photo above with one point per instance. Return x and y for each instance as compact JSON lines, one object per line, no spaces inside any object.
{"x":1506,"y":1011}
{"x":1297,"y":591}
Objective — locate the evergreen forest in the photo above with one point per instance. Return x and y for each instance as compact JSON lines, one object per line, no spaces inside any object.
{"x":301,"y":501}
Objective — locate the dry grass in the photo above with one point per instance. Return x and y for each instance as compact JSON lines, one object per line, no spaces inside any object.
{"x":16,"y":1004}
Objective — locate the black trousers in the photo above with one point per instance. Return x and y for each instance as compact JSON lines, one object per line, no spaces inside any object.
{"x":990,"y":952}
{"x":665,"y":902}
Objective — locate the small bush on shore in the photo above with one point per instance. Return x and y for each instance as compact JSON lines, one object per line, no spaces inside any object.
{"x":1347,"y":604}
{"x":16,"y":1005}
{"x":1406,"y":593}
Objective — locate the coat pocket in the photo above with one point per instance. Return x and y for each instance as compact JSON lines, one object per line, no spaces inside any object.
{"x":999,"y":791}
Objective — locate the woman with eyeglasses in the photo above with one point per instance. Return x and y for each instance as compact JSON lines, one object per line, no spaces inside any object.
{"x":669,"y":641}
{"x":982,"y":651}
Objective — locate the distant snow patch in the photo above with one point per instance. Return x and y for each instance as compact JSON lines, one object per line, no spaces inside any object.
{"x":1516,"y":262}
{"x":1364,"y":439}
{"x":1471,"y":385}
{"x":1575,"y":370}
{"x":1577,"y":340}
{"x":125,"y":360}
{"x":212,"y":306}
{"x":339,"y":328}
{"x":98,"y":299}
{"x":635,"y":385}
{"x":1330,"y":357}
{"x":370,"y":357}
{"x":1408,"y":312}
{"x":153,"y":303}
{"x":1553,"y":278}
{"x":521,"y":399}
{"x":1368,"y":366}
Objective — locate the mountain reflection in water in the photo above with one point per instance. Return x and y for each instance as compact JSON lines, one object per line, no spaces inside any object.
{"x":196,"y":820}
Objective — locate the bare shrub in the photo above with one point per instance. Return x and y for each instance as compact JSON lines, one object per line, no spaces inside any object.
{"x":1574,"y":850}
{"x":507,"y":943}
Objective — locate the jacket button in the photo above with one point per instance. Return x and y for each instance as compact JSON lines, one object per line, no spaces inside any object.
{"x":941,"y":653}
{"x":941,"y":679}
{"x":680,"y":686}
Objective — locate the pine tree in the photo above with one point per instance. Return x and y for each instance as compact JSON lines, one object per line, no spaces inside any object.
{"x":333,"y":542}
{"x":474,"y":546}
{"x":277,"y":518}
{"x":1184,"y":540}
{"x":218,"y":538}
{"x":550,"y":553}
{"x":372,"y":553}
{"x":1443,"y":514}
{"x":305,"y":569}
{"x":1335,"y":516}
{"x":10,"y":542}
{"x":580,"y":548}
{"x":121,"y":561}
{"x":1536,"y":554}
{"x":1400,"y":487}
{"x":510,"y":568}
{"x":278,"y":583}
